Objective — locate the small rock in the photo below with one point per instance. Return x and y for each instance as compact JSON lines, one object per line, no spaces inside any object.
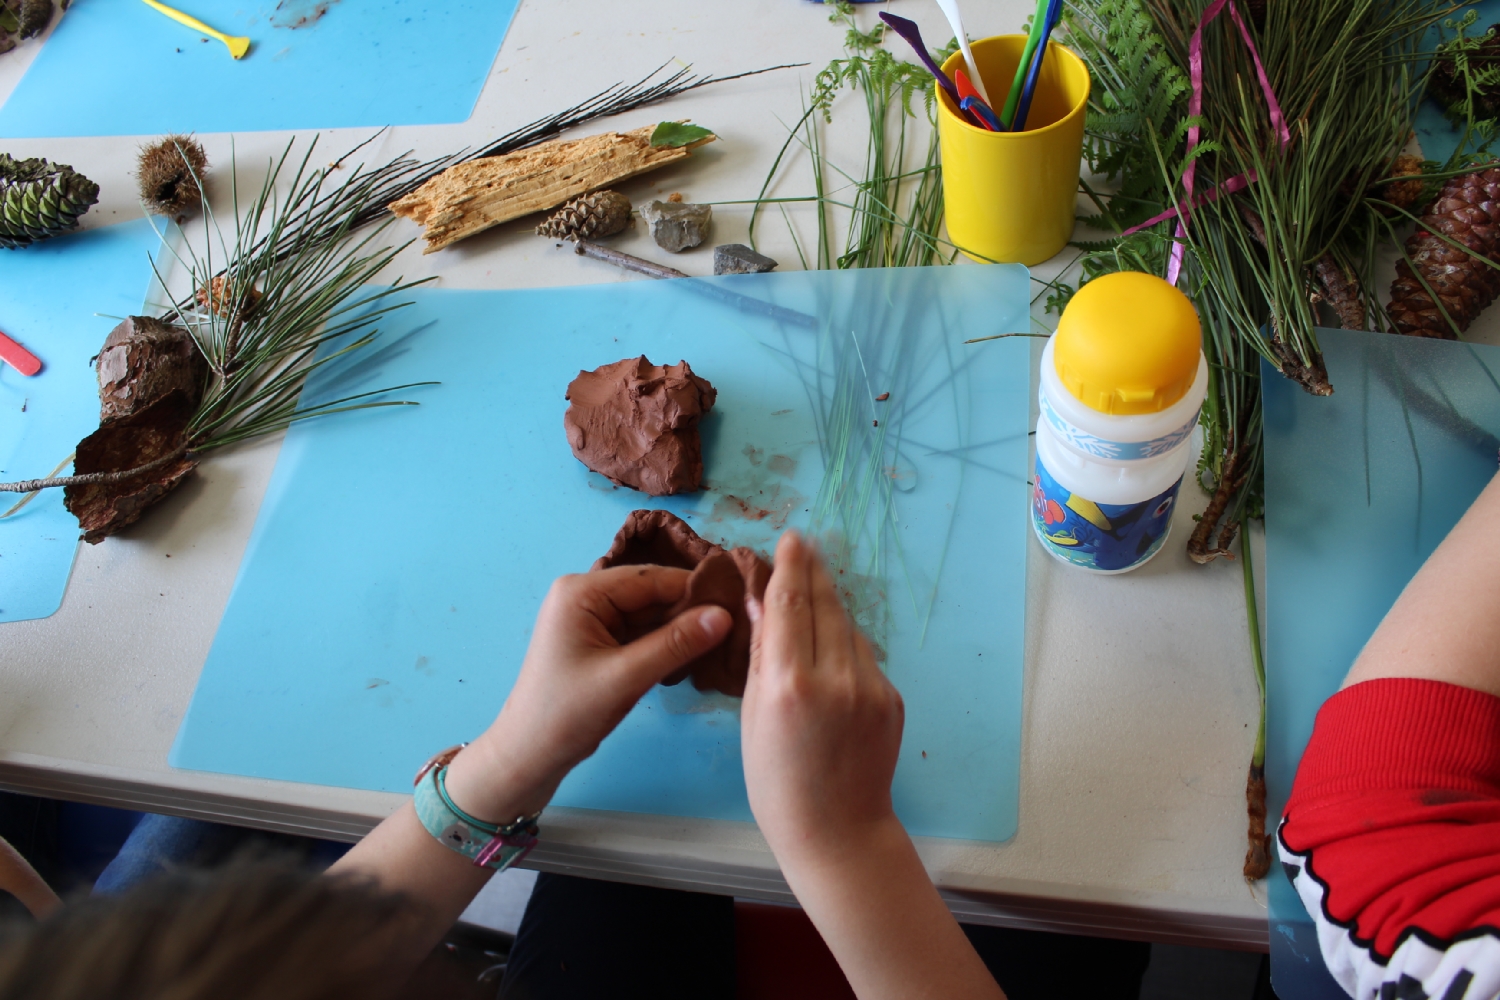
{"x":736,"y":258}
{"x":676,"y":227}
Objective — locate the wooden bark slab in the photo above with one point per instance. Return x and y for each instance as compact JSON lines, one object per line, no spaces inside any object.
{"x":471,"y":197}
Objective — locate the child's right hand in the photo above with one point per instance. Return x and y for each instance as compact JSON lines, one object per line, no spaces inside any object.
{"x":821,"y":724}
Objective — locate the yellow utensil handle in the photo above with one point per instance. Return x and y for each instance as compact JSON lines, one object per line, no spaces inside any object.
{"x":181,"y":18}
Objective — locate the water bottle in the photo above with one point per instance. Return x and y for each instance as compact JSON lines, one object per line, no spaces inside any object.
{"x":1122,"y":382}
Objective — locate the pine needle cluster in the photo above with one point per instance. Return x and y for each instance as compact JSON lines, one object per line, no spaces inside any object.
{"x":1297,"y":247}
{"x":289,"y":295}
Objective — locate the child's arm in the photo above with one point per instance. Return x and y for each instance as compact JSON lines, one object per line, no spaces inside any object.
{"x":1391,"y":836}
{"x":821,"y":727}
{"x":1445,"y":626}
{"x":579,"y":679}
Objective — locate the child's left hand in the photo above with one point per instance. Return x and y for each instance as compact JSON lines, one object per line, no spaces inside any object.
{"x":598,"y":646}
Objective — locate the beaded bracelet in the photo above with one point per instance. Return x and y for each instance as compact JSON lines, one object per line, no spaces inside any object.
{"x":488,"y":845}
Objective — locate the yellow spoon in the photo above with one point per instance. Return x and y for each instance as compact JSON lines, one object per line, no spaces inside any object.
{"x":237,"y":46}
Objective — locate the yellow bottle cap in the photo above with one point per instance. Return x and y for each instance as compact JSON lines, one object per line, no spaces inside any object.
{"x":1128,"y":343}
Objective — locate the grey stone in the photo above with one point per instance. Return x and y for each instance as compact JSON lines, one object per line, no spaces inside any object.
{"x":736,"y":258}
{"x":676,"y":226}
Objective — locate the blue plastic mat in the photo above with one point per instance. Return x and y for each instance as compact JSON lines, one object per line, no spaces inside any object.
{"x":400,"y":555}
{"x":49,"y":294}
{"x":117,"y":67}
{"x":1361,"y":486}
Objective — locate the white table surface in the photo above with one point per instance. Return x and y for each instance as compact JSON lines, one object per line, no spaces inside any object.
{"x":1140,"y":700}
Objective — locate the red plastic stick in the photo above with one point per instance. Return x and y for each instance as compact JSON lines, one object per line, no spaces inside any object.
{"x":18,"y":357}
{"x":966,"y":89}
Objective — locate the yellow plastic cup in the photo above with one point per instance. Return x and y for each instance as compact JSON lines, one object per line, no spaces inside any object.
{"x":1011,"y":196}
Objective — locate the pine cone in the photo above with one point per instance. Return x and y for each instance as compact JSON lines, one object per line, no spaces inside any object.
{"x":38,"y":200}
{"x":598,"y":213}
{"x":219,"y":297}
{"x":34,"y":17}
{"x":1467,"y":211}
{"x":1403,"y":194}
{"x":171,"y":174}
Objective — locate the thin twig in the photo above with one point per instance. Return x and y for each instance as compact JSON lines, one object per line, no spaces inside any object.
{"x":33,"y":494}
{"x":629,"y":262}
{"x":95,"y":478}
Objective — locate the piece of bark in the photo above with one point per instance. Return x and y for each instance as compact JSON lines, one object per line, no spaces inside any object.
{"x":1258,"y":853}
{"x":471,"y":197}
{"x":153,"y":432}
{"x":719,"y":576}
{"x":144,"y":359}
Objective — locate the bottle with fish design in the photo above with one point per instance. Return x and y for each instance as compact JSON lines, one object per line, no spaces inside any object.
{"x":1122,"y":382}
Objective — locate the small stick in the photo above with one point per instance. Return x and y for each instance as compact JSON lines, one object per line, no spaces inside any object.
{"x":33,"y":494}
{"x":630,"y":262}
{"x":94,"y":478}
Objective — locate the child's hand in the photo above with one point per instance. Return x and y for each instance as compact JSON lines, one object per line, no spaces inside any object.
{"x":598,"y":646}
{"x":821,"y":725}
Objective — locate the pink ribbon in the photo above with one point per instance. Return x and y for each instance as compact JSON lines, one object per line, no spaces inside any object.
{"x":1195,"y":107}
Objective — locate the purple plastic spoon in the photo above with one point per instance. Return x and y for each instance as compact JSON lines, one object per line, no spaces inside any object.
{"x":909,"y":31}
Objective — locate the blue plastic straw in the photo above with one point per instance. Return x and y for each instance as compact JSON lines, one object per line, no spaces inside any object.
{"x":1054,"y":10}
{"x":976,"y":106}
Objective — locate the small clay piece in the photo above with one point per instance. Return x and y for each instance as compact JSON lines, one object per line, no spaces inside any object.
{"x":171,"y":173}
{"x":718,"y":577}
{"x":637,"y":423}
{"x":677,"y":226}
{"x":143,"y":360}
{"x":600,"y":213}
{"x":736,"y":258}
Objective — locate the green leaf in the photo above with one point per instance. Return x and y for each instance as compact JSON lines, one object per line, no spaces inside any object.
{"x":8,"y":20}
{"x":675,"y":134}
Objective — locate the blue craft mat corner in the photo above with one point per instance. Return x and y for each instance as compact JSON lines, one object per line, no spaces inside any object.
{"x":49,"y":301}
{"x":362,"y":63}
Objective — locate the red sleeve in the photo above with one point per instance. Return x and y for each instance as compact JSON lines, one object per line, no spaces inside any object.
{"x":1392,"y":839}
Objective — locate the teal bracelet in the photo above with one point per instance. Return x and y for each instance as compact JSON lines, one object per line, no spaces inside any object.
{"x":488,"y":845}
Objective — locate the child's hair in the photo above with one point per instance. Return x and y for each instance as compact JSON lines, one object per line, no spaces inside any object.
{"x":250,"y":930}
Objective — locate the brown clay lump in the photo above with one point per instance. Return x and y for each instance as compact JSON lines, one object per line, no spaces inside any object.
{"x":718,"y":577}
{"x":637,"y":424}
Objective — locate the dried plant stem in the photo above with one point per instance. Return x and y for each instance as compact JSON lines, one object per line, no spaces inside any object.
{"x":629,"y":262}
{"x":1229,"y":483}
{"x":32,"y":494}
{"x":94,"y":478}
{"x":1258,"y":854}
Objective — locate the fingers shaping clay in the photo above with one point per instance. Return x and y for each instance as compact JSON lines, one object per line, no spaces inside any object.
{"x":637,"y":423}
{"x":718,"y":577}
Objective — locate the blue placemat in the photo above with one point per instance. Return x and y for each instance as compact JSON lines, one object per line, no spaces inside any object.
{"x":390,"y":585}
{"x":49,"y":294}
{"x":117,"y":67}
{"x":1361,"y":486}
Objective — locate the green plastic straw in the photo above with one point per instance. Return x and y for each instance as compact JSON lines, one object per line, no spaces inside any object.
{"x":1012,"y":99}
